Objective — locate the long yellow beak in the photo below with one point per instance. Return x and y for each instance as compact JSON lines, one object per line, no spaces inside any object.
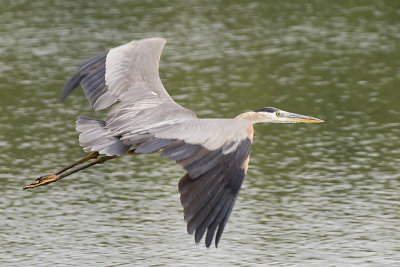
{"x":293,"y":117}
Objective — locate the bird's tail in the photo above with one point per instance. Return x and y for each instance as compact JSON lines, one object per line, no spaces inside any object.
{"x":95,"y":137}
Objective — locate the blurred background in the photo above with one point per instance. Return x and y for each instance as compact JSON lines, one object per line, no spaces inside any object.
{"x":314,"y":195}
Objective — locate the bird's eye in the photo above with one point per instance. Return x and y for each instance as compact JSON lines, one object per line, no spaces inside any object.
{"x":277,"y":113}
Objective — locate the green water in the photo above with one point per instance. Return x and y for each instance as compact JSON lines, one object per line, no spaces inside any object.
{"x":314,"y":195}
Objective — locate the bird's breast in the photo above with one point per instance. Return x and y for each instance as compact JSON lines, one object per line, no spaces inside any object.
{"x":250,"y":132}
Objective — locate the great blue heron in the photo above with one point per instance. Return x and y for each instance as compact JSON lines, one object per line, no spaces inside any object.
{"x":214,"y":152}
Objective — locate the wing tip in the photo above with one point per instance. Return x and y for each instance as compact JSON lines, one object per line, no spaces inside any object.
{"x":71,"y":85}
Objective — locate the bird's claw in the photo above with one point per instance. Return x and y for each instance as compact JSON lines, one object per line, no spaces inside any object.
{"x":42,"y":180}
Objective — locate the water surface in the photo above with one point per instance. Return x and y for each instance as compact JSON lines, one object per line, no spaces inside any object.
{"x":315,"y":195}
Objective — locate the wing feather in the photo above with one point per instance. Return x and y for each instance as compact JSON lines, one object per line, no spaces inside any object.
{"x":201,"y":198}
{"x":220,"y":221}
{"x":204,"y":164}
{"x":179,"y":151}
{"x":200,"y":209}
{"x":202,"y":227}
{"x":152,"y":146}
{"x":226,"y":215}
{"x":191,"y":188}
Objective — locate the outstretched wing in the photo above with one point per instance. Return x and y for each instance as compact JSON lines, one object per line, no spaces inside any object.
{"x":209,"y":189}
{"x":214,"y":152}
{"x":126,"y":73}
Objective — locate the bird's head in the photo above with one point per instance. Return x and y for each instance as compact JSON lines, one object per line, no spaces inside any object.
{"x":270,"y":114}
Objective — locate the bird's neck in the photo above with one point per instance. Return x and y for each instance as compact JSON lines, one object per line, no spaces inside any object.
{"x":253,"y":117}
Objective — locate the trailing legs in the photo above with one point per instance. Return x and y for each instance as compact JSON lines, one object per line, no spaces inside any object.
{"x":68,"y":170}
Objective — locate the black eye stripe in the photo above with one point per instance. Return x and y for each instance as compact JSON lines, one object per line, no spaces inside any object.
{"x":267,"y":109}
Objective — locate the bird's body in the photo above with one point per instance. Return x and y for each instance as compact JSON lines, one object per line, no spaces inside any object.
{"x":143,"y":118}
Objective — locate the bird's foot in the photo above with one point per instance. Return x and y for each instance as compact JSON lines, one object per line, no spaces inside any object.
{"x":42,"y":180}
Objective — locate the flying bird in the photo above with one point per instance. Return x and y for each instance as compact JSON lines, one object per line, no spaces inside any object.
{"x":142,"y":118}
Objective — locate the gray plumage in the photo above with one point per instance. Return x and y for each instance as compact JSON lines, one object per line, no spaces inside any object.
{"x":145,"y":117}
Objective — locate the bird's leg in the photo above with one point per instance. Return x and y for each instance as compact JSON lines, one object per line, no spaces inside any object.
{"x":76,"y":163}
{"x":59,"y":174}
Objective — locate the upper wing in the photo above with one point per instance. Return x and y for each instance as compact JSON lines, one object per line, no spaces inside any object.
{"x":126,"y":73}
{"x":215,"y":154}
